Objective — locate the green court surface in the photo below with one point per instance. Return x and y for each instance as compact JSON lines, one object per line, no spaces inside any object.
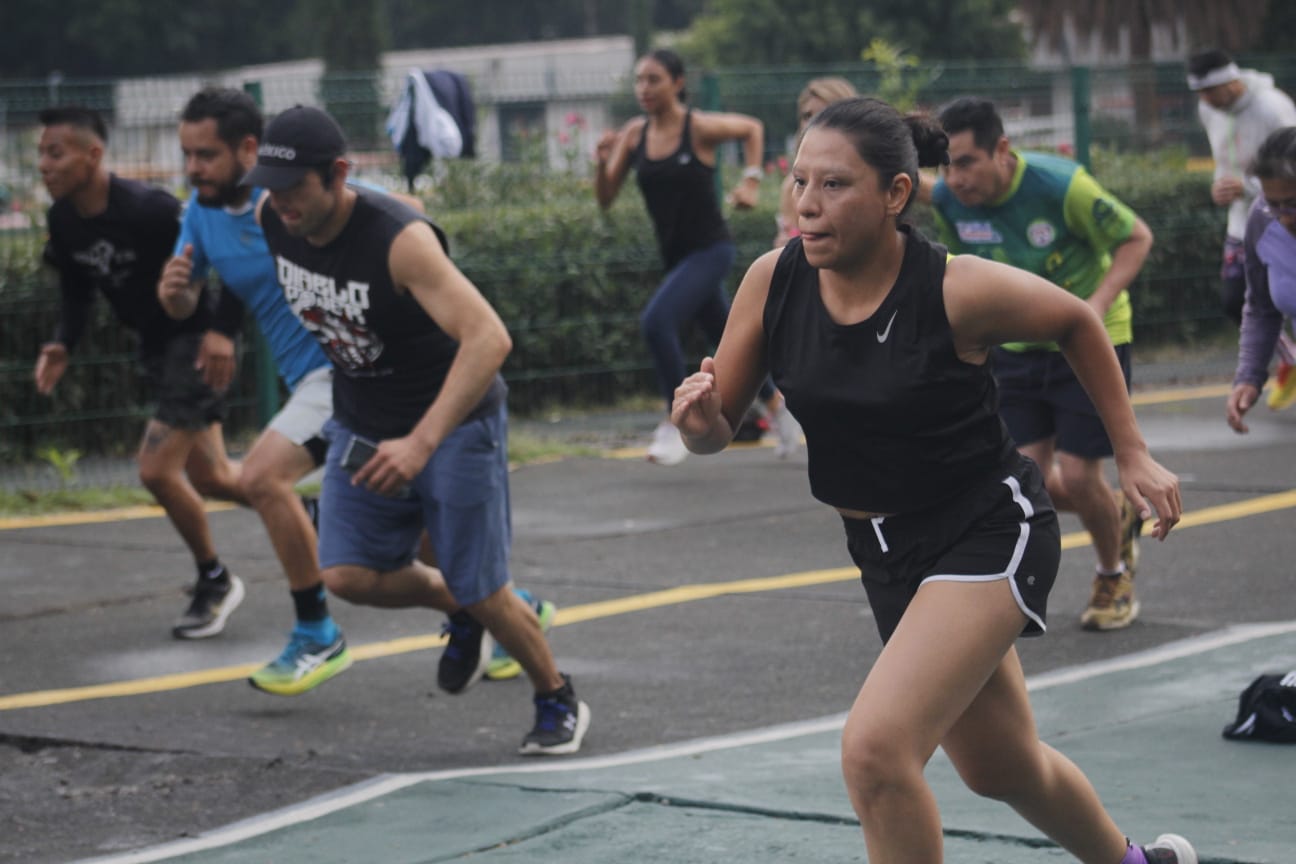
{"x":1144,"y":727}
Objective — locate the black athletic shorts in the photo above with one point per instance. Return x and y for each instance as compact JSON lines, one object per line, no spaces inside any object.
{"x":183,"y":400}
{"x":1003,"y":528}
{"x":1040,"y":398}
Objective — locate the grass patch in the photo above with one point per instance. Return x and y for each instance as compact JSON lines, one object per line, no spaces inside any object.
{"x":527,"y":449}
{"x":29,"y":502}
{"x":524,"y":449}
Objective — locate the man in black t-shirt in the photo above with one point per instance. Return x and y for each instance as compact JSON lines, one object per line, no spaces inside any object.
{"x":111,"y":236}
{"x":419,"y":434}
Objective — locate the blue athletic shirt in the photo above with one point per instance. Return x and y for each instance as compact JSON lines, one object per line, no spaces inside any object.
{"x":231,"y":243}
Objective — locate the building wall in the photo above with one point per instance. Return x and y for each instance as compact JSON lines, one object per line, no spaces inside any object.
{"x":558,"y":91}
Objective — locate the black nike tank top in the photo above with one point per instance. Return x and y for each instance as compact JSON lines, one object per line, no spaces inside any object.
{"x":894,"y":421}
{"x":679,"y":192}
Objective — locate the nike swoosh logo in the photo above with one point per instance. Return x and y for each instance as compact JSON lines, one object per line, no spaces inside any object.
{"x":882,"y":337}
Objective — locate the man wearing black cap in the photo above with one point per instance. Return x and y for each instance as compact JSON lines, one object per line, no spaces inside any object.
{"x":418,"y":439}
{"x":1239,"y":108}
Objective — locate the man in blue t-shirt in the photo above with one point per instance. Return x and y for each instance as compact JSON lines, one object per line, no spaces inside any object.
{"x":219,"y":131}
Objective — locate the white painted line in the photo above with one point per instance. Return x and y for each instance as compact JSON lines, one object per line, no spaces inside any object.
{"x":386,"y":784}
{"x":1235,"y":635}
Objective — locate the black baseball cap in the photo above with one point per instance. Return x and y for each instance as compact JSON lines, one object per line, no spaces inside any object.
{"x":295,"y":141}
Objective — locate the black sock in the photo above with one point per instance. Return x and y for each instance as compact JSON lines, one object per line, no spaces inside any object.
{"x":213,"y":570}
{"x":311,"y":603}
{"x":565,"y":690}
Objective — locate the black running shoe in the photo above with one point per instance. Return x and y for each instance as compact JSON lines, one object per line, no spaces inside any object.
{"x":467,"y":653}
{"x":561,"y":721}
{"x":213,"y":601}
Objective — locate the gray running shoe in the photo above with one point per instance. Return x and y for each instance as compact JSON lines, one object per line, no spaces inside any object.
{"x":214,"y":600}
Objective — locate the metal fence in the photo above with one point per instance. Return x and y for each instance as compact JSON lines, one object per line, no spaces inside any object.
{"x":543,"y":130}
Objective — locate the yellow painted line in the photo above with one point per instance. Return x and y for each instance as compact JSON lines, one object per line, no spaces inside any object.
{"x":1182,"y":394}
{"x":118,"y":514}
{"x":692,"y":593}
{"x":587,"y":612}
{"x":137,"y":687}
{"x":640,"y":453}
{"x":1236,"y":510}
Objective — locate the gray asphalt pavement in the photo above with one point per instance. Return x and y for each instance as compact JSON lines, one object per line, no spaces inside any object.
{"x":709,"y":600}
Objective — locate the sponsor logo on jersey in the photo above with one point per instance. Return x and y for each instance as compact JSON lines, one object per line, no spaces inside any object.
{"x":978,"y":232}
{"x":1041,"y":233}
{"x":1102,"y":211}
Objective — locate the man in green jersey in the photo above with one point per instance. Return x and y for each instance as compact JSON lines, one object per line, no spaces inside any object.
{"x":1047,"y":215}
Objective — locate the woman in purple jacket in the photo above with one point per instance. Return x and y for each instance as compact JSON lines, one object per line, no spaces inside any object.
{"x":1270,"y":245}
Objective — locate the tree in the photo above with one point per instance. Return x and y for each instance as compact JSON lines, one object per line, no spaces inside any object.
{"x":772,"y":32}
{"x":113,"y":38}
{"x":420,"y":24}
{"x":84,"y":38}
{"x":351,"y":43}
{"x":1278,"y":33}
{"x":1228,"y":24}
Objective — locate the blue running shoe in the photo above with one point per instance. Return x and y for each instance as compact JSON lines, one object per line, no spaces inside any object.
{"x":502,"y":666}
{"x":304,"y":665}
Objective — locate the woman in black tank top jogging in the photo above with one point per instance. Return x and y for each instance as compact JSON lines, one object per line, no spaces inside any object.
{"x":878,"y":340}
{"x":672,"y":149}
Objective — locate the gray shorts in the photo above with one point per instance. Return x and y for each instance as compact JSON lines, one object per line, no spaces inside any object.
{"x":303,"y":416}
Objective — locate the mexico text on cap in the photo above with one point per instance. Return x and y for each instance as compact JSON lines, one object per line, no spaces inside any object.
{"x":295,"y":141}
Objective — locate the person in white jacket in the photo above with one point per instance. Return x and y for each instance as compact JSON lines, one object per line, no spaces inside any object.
{"x":1239,"y":108}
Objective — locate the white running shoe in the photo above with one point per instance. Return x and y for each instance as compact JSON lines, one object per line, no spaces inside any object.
{"x":667,"y":447}
{"x":788,"y":430}
{"x":1170,"y":849}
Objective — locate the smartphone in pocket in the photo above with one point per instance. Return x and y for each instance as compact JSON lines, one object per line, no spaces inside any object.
{"x":357,"y":453}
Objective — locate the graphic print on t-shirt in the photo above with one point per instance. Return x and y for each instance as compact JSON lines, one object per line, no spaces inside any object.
{"x":335,"y":315}
{"x":106,"y":261}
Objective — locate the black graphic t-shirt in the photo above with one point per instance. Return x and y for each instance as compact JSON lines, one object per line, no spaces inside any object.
{"x":120,"y":252}
{"x":390,"y":358}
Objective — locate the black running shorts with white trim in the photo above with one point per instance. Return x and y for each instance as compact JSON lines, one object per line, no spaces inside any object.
{"x":1004,"y":528}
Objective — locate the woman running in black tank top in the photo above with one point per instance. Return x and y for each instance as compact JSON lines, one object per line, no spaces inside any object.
{"x":879,"y":344}
{"x":672,"y":150}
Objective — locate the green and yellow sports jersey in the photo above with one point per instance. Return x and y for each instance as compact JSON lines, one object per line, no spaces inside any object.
{"x":1054,"y":221}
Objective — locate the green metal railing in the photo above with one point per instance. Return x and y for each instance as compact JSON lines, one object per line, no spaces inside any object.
{"x":584,"y":276}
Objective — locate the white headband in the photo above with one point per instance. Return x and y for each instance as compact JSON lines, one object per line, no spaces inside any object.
{"x":1215,"y":77}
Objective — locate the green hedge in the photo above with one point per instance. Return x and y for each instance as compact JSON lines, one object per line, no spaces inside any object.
{"x":569,"y":280}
